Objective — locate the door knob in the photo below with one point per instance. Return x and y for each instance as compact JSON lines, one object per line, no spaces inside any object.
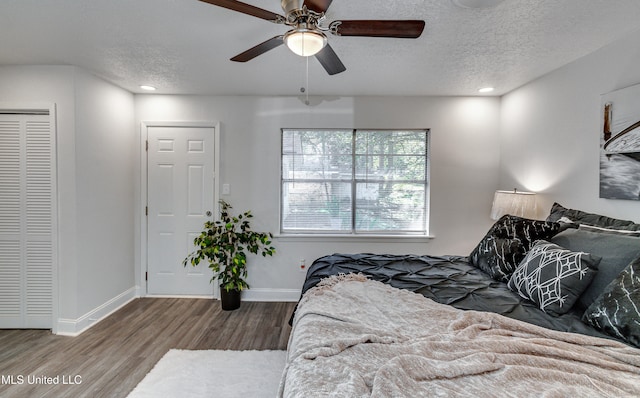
{"x":209,"y":213}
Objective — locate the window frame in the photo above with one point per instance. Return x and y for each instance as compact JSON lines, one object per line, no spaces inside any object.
{"x":353,"y":181}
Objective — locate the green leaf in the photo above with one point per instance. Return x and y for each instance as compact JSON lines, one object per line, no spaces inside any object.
{"x":224,"y":243}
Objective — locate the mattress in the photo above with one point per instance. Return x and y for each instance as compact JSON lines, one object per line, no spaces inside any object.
{"x":447,"y":280}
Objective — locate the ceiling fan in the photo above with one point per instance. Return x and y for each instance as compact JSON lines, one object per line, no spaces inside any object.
{"x":307,"y":38}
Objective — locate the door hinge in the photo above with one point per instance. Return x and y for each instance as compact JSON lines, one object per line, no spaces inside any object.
{"x":146,"y":210}
{"x":146,"y":145}
{"x":146,"y":276}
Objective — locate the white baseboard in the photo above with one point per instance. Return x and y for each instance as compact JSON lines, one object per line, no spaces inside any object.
{"x":140,"y":292}
{"x":263,"y":294}
{"x":189,"y":296}
{"x":73,"y":327}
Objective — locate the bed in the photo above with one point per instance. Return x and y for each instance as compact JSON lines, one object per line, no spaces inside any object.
{"x":539,"y":308}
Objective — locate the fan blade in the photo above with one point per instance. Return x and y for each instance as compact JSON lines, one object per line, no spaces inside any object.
{"x":330,"y":61}
{"x":259,"y":49}
{"x":372,"y":28}
{"x":246,"y":9}
{"x":318,"y":6}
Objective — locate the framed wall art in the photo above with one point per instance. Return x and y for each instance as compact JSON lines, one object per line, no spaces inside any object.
{"x":620,"y":144}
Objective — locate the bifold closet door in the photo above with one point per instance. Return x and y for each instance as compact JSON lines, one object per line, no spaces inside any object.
{"x":27,"y":188}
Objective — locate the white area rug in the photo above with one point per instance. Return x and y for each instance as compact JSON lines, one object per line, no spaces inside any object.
{"x":214,"y":373}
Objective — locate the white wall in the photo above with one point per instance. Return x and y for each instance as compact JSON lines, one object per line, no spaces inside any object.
{"x":550,"y":130}
{"x":105,"y":179}
{"x":95,"y":143}
{"x":464,"y":167}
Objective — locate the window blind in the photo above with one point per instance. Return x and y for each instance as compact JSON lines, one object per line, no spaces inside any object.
{"x":354,"y":181}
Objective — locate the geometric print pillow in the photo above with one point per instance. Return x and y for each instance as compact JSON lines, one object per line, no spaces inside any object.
{"x":553,"y":277}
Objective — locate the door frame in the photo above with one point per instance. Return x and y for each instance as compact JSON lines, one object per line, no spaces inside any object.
{"x":141,"y":281}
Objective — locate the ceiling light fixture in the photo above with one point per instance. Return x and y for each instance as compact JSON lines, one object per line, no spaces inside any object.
{"x":486,"y":90}
{"x":148,"y":88}
{"x":305,"y":42}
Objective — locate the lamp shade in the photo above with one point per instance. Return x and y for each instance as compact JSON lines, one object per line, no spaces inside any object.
{"x":305,"y":42}
{"x":515,"y":203}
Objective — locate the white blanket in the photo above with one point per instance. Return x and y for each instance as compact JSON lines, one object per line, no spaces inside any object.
{"x":357,"y":338}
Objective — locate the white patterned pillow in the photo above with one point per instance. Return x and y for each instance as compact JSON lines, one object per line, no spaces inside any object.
{"x":553,"y":277}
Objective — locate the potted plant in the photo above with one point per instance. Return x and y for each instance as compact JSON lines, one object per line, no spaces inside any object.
{"x":224,"y":244}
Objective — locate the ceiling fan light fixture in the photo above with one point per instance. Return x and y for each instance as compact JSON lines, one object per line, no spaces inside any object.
{"x":305,"y":42}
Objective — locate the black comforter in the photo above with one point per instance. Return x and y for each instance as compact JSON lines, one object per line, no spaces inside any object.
{"x":447,"y":280}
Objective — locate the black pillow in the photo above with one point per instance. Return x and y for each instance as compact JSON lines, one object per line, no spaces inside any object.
{"x":507,"y":242}
{"x":617,"y":310}
{"x":617,"y":251}
{"x":582,"y":217}
{"x":553,"y":277}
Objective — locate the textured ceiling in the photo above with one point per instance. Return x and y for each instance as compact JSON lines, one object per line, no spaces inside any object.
{"x":184,"y":46}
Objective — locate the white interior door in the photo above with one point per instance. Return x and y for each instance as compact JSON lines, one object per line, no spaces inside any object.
{"x":180,"y":195}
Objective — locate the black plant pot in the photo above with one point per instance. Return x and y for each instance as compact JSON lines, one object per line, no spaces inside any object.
{"x":230,"y":299}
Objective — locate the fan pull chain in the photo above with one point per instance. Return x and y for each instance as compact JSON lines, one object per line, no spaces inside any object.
{"x":306,"y":102}
{"x":305,"y":89}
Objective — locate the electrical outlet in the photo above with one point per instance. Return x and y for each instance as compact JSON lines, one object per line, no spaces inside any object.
{"x":303,"y":265}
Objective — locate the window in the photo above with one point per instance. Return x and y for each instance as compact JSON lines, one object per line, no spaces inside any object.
{"x":354,"y":181}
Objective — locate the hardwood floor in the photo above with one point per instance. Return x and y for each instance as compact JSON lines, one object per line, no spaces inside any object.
{"x":111,"y":358}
